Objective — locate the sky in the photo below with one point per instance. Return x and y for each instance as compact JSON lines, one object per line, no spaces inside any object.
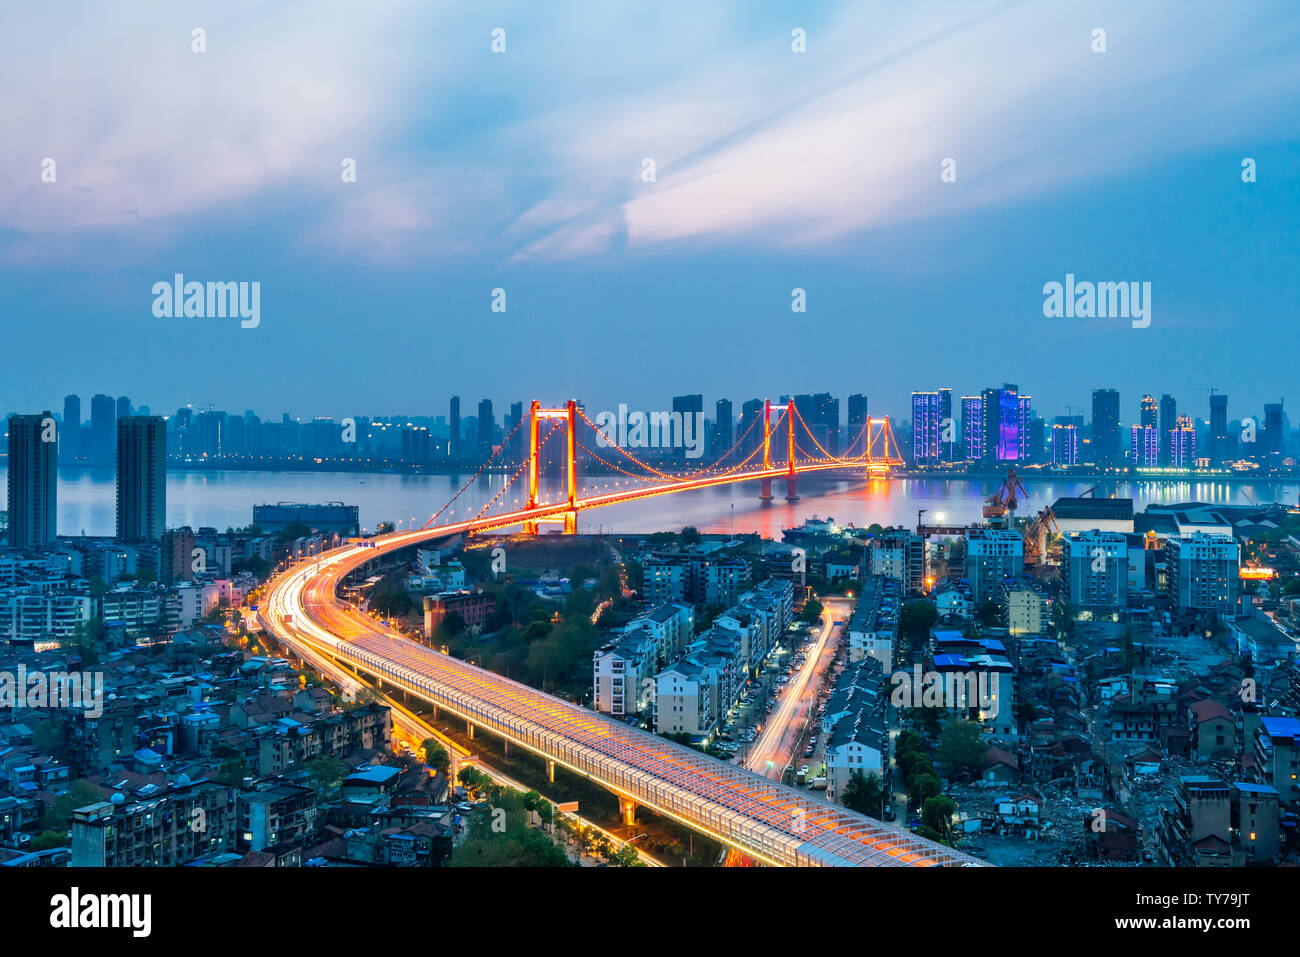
{"x":524,"y":170}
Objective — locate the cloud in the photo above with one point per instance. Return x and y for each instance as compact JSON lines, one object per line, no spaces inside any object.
{"x":535,"y":154}
{"x":749,"y":155}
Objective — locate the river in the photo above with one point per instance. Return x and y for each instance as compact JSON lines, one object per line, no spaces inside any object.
{"x":226,"y":498}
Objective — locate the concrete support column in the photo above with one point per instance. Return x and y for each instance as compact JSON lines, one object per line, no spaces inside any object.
{"x":627,"y":810}
{"x":550,"y":771}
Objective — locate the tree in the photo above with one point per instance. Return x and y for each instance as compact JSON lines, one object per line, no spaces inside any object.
{"x":504,"y":838}
{"x":78,"y":795}
{"x":390,"y":598}
{"x":960,"y":746}
{"x":233,"y":771}
{"x":812,"y":612}
{"x":1292,"y":587}
{"x":924,"y":786}
{"x":864,"y":794}
{"x":86,"y":636}
{"x":255,"y":565}
{"x":49,"y":839}
{"x":936,"y":814}
{"x":327,"y":772}
{"x":988,"y":613}
{"x":49,"y":739}
{"x":292,"y":532}
{"x":436,"y":756}
{"x":690,"y":535}
{"x":914,"y":623}
{"x":925,"y":720}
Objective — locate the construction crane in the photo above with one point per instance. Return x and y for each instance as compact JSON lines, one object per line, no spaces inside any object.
{"x":1036,"y":536}
{"x":1002,"y":504}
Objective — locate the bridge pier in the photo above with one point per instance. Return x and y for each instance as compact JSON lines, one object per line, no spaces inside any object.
{"x":765,"y":490}
{"x":792,"y":488}
{"x":571,"y":523}
{"x":550,"y":771}
{"x":627,"y":810}
{"x":505,"y":745}
{"x":470,"y":729}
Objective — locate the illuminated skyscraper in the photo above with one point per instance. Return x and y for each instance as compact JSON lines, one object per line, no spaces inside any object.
{"x":972,"y":428}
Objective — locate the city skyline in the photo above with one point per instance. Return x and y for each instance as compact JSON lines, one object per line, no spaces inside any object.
{"x":903,"y":411}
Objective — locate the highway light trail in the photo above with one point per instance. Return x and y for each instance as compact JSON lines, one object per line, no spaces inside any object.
{"x":772,"y":823}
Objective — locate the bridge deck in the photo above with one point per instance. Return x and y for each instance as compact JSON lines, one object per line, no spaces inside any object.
{"x":776,"y":823}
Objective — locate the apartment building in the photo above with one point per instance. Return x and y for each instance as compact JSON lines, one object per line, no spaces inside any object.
{"x":899,"y":553}
{"x":1201,"y":571}
{"x":187,"y":822}
{"x":682,"y":700}
{"x":1095,"y":566}
{"x":992,"y":555}
{"x":623,"y":674}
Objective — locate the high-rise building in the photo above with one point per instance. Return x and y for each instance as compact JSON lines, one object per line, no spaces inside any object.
{"x":750,"y":427}
{"x":1218,"y":428}
{"x":1065,"y":442}
{"x":821,"y":415}
{"x":518,"y":450}
{"x":1148,"y":411}
{"x":972,"y":428}
{"x":1201,"y":571}
{"x":992,"y":555}
{"x":723,"y":428}
{"x":926,"y":428}
{"x":1105,"y":428}
{"x":1168,"y":422}
{"x":947,"y":427}
{"x":856,"y":435}
{"x":486,"y":425}
{"x":1026,"y":451}
{"x":689,"y":410}
{"x":1001,"y":423}
{"x":899,"y":552}
{"x":175,"y":557}
{"x":454,"y":447}
{"x":141,"y":478}
{"x":70,"y":430}
{"x":103,"y":430}
{"x":1037,"y":438}
{"x":1094,"y":565}
{"x":33,"y":480}
{"x":1182,"y":444}
{"x":1145,"y":445}
{"x":211,"y":426}
{"x":123,"y":406}
{"x":1273,"y":445}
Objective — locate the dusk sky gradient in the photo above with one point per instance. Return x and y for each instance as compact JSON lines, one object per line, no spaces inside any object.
{"x":521,"y":170}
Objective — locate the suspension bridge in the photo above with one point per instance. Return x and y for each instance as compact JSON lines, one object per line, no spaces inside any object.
{"x":766,"y":450}
{"x":766,"y":821}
